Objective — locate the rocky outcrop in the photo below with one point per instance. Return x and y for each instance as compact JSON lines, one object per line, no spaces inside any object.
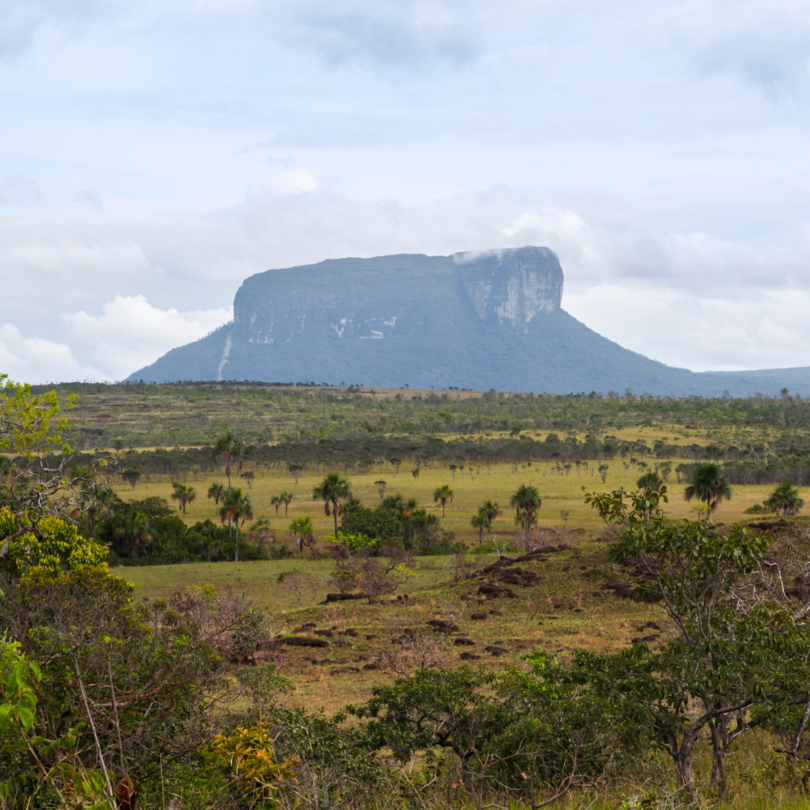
{"x":374,"y":299}
{"x":511,"y":287}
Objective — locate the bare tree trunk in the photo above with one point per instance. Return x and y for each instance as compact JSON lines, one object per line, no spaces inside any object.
{"x":719,"y":732}
{"x":684,"y":775}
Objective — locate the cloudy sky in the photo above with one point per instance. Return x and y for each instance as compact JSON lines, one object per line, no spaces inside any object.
{"x":153,"y":154}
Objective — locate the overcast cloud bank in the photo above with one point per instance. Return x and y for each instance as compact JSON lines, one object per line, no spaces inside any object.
{"x":154,"y":155}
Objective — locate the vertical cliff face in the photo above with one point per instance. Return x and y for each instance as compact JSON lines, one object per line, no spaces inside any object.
{"x":375,"y":299}
{"x":511,"y":287}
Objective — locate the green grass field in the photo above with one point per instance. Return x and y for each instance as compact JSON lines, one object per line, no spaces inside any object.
{"x":472,"y":486}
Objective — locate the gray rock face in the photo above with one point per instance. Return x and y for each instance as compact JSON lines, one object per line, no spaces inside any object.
{"x":373,"y":299}
{"x":510,"y":287}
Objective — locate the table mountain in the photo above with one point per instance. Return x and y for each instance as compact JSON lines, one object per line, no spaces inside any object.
{"x":472,"y":320}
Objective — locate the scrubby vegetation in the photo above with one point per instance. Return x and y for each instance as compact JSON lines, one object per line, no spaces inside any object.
{"x":363,"y":653}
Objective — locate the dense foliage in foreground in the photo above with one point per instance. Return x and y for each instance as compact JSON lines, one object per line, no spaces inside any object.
{"x":105,"y":700}
{"x":104,"y":696}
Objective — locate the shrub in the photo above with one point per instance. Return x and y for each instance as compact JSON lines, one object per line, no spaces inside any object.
{"x":55,"y":546}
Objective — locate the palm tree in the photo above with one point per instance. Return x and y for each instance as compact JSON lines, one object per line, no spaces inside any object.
{"x":184,"y":495}
{"x":443,"y":494}
{"x":487,"y":512}
{"x":137,"y":530}
{"x":236,"y":507}
{"x":526,"y":502}
{"x":275,"y":502}
{"x":230,"y":449}
{"x":785,"y":499}
{"x":331,"y":491}
{"x":403,"y":510}
{"x":215,"y":491}
{"x":649,"y":481}
{"x":397,"y":505}
{"x":708,"y":486}
{"x":479,"y":521}
{"x":303,"y":531}
{"x":286,"y":497}
{"x":491,"y":509}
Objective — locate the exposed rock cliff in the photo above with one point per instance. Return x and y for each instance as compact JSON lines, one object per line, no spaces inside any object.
{"x":511,"y":287}
{"x":375,"y":299}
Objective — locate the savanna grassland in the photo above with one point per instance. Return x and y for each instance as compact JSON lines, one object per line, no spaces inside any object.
{"x":478,"y":617}
{"x":644,"y":434}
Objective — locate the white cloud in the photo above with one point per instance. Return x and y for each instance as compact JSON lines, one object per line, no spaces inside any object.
{"x":34,"y":360}
{"x":686,"y":329}
{"x":765,"y":41}
{"x":18,"y":189}
{"x":130,"y":333}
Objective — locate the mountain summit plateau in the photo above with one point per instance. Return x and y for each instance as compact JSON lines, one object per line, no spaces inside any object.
{"x":473,"y":320}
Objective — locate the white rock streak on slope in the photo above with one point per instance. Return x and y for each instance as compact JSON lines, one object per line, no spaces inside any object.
{"x":225,"y":354}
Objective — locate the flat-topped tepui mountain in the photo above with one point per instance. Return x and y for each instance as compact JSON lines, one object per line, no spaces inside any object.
{"x":480,"y":321}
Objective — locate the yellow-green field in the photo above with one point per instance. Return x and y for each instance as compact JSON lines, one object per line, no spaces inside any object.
{"x":566,"y":609}
{"x":472,"y":486}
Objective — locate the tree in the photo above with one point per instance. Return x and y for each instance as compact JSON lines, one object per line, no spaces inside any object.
{"x":249,"y":476}
{"x":734,"y":646}
{"x":303,"y":531}
{"x":135,"y":531}
{"x":124,"y":685}
{"x":443,"y":494}
{"x":131,"y":475}
{"x":480,"y":522}
{"x":332,"y":490}
{"x":785,"y":499}
{"x":55,"y":547}
{"x":487,"y":512}
{"x":215,"y":491}
{"x":708,"y":486}
{"x":295,"y":470}
{"x":183,"y":494}
{"x":649,"y":480}
{"x":276,"y":502}
{"x":526,"y":502}
{"x":39,"y":483}
{"x":236,"y":508}
{"x":231,"y":450}
{"x":286,"y":498}
{"x":491,"y":509}
{"x":381,"y":487}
